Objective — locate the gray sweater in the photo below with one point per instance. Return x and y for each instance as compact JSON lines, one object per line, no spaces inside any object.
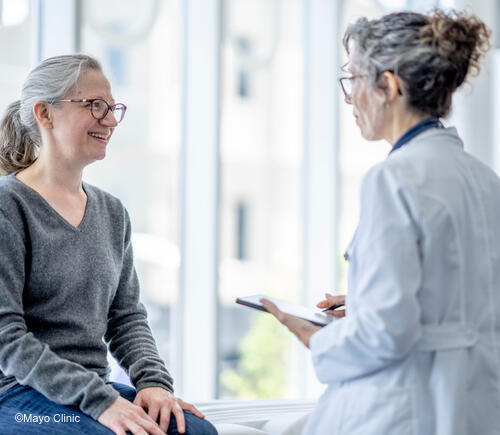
{"x":65,"y":293}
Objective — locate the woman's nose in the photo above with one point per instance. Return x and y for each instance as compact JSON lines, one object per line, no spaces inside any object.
{"x":109,"y":120}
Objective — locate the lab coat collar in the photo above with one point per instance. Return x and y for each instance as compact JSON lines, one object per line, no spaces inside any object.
{"x":414,"y":131}
{"x":441,"y":135}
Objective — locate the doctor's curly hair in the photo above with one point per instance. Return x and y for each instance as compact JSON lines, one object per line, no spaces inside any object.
{"x":432,"y":54}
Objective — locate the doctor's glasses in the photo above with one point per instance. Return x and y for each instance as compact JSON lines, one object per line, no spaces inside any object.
{"x":346,"y":83}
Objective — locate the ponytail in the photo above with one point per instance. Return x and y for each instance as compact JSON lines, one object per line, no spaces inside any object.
{"x":18,"y":149}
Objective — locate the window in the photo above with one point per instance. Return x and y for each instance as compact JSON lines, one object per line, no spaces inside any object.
{"x":16,"y":48}
{"x":260,"y":210}
{"x":137,"y":44}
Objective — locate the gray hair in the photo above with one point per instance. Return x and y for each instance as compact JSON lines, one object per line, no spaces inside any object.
{"x":431,"y":54}
{"x":50,"y":81}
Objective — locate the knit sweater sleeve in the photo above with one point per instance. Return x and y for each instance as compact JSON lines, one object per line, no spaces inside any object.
{"x":26,"y":358}
{"x":129,"y":336}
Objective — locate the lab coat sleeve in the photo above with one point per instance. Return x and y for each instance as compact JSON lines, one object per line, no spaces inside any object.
{"x":385,"y":276}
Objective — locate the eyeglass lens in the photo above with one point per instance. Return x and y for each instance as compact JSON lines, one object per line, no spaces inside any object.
{"x":100,"y":110}
{"x":347,"y":84}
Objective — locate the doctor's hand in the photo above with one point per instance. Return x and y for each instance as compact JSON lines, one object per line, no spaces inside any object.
{"x":333,"y":300}
{"x":160,"y":403}
{"x":302,"y":329}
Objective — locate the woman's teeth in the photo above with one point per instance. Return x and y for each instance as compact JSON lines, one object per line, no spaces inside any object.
{"x":99,"y":136}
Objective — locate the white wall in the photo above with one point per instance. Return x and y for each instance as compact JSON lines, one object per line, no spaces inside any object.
{"x":474,"y":103}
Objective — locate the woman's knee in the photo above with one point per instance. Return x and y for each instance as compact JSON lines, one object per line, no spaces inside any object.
{"x":198,"y":426}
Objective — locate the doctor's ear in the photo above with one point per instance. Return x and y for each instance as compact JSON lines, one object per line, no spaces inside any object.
{"x":390,"y":84}
{"x":43,"y":114}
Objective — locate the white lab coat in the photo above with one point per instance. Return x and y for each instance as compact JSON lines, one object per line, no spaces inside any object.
{"x":418,"y":352}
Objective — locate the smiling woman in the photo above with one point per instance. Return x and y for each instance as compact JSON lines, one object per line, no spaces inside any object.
{"x":68,"y":284}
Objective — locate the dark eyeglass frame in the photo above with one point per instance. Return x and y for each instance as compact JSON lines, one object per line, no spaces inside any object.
{"x":343,"y":80}
{"x":112,"y":107}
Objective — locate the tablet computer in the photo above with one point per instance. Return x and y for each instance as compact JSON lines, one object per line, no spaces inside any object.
{"x":317,"y":317}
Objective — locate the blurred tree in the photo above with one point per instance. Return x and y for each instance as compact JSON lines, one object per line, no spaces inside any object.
{"x":260,"y":373}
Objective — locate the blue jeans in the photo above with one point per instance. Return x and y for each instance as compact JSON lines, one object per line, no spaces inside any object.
{"x":25,"y":411}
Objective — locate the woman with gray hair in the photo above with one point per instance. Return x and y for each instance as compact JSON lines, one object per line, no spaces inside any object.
{"x":418,"y":351}
{"x":68,"y":287}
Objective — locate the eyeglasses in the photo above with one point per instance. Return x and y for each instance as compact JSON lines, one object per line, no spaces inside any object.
{"x":100,"y":108}
{"x":346,"y":84}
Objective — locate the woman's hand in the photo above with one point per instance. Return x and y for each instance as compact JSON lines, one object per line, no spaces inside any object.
{"x":123,"y":416}
{"x":332,"y":300}
{"x":160,"y":403}
{"x":302,"y":329}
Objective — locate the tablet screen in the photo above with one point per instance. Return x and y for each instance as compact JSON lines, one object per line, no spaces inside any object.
{"x":313,"y":315}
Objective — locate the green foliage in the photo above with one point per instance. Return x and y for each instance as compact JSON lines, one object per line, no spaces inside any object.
{"x":262,"y":370}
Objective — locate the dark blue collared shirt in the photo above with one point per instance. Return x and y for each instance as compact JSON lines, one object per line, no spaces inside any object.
{"x":422,"y":126}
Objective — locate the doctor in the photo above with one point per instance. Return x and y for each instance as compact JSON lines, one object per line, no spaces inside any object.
{"x":418,"y":351}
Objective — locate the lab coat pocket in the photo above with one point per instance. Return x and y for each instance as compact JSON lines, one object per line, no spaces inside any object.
{"x":371,"y":410}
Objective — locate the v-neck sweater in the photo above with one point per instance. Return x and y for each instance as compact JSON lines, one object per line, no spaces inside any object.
{"x":66,"y":294}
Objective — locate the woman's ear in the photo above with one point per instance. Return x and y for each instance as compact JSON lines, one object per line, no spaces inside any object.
{"x":43,"y":115}
{"x":389,"y":83}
